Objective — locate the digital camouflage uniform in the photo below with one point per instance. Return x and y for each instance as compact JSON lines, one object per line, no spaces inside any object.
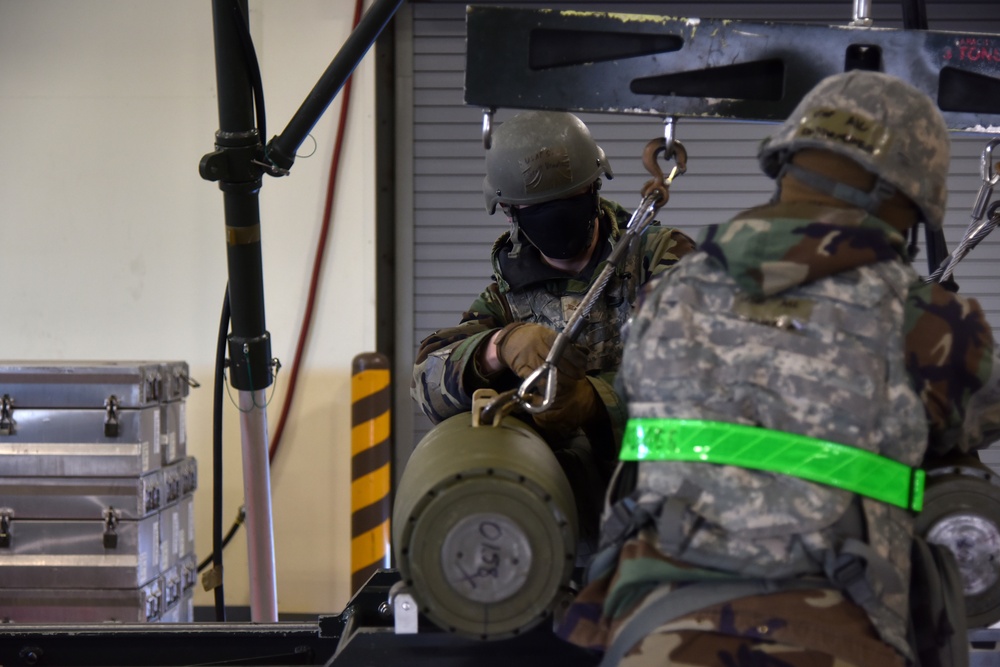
{"x":765,"y":326}
{"x":794,"y":322}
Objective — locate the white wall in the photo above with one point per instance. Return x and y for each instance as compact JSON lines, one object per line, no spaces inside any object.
{"x":113,"y":247}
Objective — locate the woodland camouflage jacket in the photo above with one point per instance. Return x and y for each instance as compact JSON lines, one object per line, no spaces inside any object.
{"x":525,"y":289}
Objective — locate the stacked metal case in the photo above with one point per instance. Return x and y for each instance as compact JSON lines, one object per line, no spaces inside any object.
{"x":96,"y":492}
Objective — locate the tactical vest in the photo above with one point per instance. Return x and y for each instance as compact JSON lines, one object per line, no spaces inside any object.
{"x":602,"y":332}
{"x":823,"y":360}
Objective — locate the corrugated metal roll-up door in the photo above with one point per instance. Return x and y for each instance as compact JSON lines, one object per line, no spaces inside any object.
{"x":447,"y":264}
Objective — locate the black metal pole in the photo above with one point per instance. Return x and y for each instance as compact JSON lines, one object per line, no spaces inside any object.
{"x":281,"y":149}
{"x":236,"y":164}
{"x":233,"y":166}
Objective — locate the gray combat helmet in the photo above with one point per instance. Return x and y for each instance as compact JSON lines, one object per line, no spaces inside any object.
{"x":538,"y":156}
{"x":890,"y":128}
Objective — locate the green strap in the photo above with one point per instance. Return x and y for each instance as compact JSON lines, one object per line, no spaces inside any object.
{"x":829,"y":463}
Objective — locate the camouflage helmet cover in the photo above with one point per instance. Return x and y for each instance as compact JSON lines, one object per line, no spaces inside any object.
{"x":538,"y":156}
{"x":887,"y":126}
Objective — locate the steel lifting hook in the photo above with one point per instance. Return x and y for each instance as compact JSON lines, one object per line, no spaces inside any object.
{"x":659,"y":185}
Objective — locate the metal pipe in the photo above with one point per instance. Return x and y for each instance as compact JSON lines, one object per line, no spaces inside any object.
{"x":862,"y":13}
{"x":257,"y":493}
{"x":281,"y":149}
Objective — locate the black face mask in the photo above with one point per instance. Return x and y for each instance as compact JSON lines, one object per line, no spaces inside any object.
{"x":561,"y":229}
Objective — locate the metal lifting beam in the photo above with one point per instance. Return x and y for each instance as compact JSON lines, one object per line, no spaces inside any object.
{"x":658,"y":65}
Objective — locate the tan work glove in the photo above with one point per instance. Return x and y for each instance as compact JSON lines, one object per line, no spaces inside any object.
{"x":523,"y":346}
{"x":575,"y":406}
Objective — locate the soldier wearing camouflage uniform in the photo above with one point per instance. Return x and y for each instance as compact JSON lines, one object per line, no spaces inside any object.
{"x":543,"y":169}
{"x":799,"y":318}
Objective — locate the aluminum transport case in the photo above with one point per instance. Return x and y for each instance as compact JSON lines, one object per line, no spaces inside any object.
{"x":178,"y":588}
{"x":49,"y":605}
{"x":182,"y":612}
{"x":80,"y":419}
{"x":179,"y":479}
{"x":81,"y":384}
{"x":176,"y":532}
{"x":73,"y":443}
{"x":175,"y":383}
{"x":96,"y":492}
{"x":101,"y":553}
{"x":81,"y":497}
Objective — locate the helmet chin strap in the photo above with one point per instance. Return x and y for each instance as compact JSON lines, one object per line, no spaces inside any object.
{"x":913,"y":247}
{"x":869,"y":201}
{"x":515,"y":231}
{"x":515,"y":235}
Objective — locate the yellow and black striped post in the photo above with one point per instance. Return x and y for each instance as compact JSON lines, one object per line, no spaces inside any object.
{"x":371,"y":454}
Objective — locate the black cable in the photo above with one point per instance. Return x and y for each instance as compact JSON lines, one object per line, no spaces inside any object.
{"x":220,"y":378}
{"x":253,"y":66}
{"x":240,"y":519}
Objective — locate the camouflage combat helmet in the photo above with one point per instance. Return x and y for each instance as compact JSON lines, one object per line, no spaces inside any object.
{"x":887,"y":126}
{"x":538,"y":156}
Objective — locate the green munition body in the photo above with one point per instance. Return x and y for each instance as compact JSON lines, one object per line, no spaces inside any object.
{"x":484,"y":527}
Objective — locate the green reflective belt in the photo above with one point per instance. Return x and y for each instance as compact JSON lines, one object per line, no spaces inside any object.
{"x":829,"y":463}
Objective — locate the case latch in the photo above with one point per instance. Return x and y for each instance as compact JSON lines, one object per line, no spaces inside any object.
{"x":111,"y":423}
{"x":6,"y":516}
{"x":151,"y":493}
{"x":171,"y":590}
{"x":6,"y":420}
{"x":110,"y":528}
{"x":153,"y":605}
{"x":153,"y":387}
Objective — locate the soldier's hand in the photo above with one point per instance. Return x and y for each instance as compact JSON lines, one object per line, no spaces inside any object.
{"x":576,"y":404}
{"x":523,"y":347}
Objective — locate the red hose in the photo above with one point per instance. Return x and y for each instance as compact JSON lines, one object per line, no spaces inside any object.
{"x":345,"y":98}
